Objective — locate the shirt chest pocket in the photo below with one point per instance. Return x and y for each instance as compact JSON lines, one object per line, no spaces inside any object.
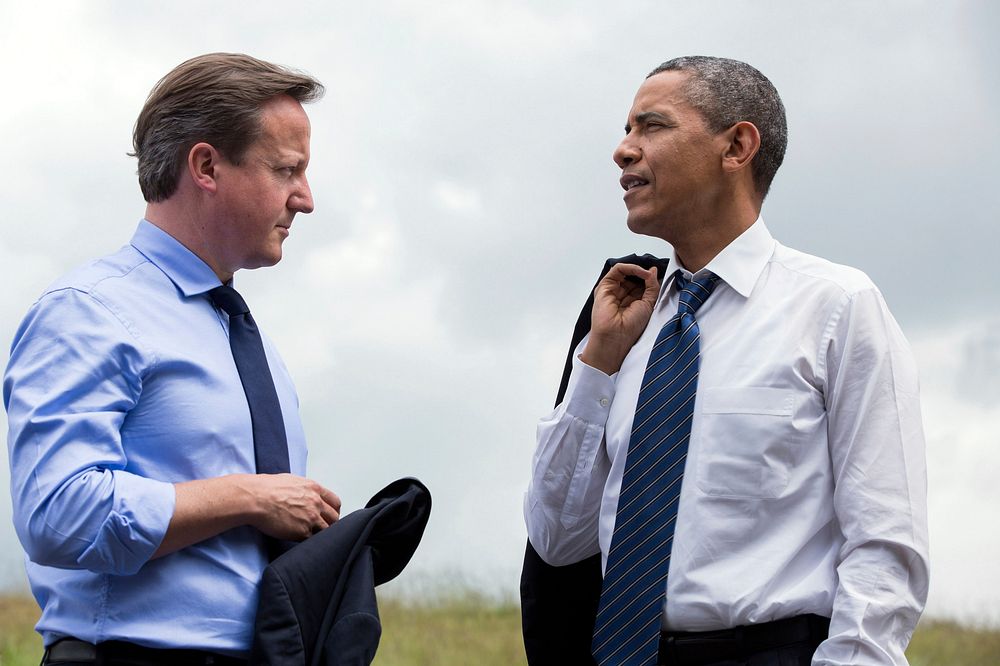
{"x":745,"y":444}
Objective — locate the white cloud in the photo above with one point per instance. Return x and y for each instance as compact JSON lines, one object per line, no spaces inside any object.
{"x":516,"y":32}
{"x":963,"y":456}
{"x":458,"y":199}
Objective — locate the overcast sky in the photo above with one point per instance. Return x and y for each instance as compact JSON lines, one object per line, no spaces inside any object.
{"x":466,"y":199}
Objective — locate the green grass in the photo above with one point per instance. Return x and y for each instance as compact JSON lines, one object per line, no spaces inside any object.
{"x":456,"y":629}
{"x":19,"y":644}
{"x":463,"y":628}
{"x":947,"y":643}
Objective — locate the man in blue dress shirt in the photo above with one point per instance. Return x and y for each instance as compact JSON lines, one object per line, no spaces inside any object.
{"x":134,"y":484}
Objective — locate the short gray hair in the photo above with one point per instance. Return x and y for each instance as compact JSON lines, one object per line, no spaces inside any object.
{"x":726,"y":92}
{"x":215,"y":98}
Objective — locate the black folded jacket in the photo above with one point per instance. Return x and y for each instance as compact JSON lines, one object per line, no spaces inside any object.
{"x":317,"y":601}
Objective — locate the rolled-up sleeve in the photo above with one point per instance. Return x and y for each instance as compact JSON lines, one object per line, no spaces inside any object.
{"x":74,"y":373}
{"x":570,"y":469}
{"x":880,"y":496}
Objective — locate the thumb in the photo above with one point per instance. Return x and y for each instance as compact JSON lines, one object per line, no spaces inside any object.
{"x":652,"y":291}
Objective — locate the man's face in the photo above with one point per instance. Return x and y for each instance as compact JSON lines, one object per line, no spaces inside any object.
{"x":670,"y":161}
{"x":259,"y":198}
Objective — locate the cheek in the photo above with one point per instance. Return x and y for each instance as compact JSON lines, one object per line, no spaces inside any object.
{"x":279,"y":200}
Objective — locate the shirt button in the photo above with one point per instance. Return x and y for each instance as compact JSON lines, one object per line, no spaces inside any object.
{"x":604,"y":402}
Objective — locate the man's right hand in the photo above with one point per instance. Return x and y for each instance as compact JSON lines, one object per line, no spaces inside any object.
{"x":622,"y":308}
{"x":283,"y":506}
{"x":292,"y":507}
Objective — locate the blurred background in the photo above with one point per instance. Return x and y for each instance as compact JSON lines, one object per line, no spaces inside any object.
{"x":466,"y":200}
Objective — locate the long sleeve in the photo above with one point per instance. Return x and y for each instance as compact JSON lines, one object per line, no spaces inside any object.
{"x":570,"y":469}
{"x":879,"y":468}
{"x":74,"y":374}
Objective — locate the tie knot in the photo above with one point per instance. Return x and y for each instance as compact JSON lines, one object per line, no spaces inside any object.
{"x":229,"y":300}
{"x":693,"y":293}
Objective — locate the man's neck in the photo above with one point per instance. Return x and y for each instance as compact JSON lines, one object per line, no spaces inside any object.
{"x":720,"y":228}
{"x":182,"y":223}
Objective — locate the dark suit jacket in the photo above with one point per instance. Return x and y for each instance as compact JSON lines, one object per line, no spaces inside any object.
{"x":559,"y":604}
{"x":317,"y":601}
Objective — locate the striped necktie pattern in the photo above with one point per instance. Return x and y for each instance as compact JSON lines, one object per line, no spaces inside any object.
{"x":634,"y":588}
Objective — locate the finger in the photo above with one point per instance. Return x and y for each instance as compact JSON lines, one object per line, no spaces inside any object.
{"x":635,"y":278}
{"x":619,"y":271}
{"x":621,"y":282}
{"x":330,"y":497}
{"x":330,"y":515}
{"x":614,"y":278}
{"x":320,"y":525}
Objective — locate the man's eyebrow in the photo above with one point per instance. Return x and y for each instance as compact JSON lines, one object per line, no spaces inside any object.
{"x":287,"y":157}
{"x":646,"y":116}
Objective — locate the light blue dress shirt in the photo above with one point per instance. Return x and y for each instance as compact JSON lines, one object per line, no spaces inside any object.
{"x":121,"y":383}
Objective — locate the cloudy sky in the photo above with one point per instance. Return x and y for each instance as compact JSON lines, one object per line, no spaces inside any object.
{"x":466,"y":198}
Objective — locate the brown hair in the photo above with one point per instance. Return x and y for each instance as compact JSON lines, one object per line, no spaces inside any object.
{"x":215,"y":98}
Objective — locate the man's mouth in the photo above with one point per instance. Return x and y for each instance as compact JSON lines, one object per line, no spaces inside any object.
{"x":630,"y":181}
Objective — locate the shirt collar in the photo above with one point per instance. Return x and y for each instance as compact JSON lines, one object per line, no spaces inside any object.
{"x":184,"y":268}
{"x":741,"y":262}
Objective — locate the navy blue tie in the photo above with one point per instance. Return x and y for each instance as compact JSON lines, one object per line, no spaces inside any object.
{"x":270,"y":445}
{"x":635,"y":580}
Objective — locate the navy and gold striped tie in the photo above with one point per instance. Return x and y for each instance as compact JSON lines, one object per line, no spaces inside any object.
{"x":635,"y":581}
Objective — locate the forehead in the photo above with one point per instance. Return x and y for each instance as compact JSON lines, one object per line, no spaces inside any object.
{"x":284,"y":123}
{"x":663,"y":92}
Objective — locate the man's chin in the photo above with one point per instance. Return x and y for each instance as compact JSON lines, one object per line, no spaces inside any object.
{"x":264,"y":261}
{"x":642,"y":225}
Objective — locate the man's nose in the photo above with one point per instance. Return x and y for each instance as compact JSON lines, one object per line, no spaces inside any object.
{"x":626,"y":153}
{"x":302,"y":200}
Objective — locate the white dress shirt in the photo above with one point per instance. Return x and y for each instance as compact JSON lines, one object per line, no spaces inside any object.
{"x":805,"y":484}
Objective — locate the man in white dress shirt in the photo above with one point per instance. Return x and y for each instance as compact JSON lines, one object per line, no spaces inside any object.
{"x":804,"y":488}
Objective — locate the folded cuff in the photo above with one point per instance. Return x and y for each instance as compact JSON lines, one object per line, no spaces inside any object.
{"x":134,"y":529}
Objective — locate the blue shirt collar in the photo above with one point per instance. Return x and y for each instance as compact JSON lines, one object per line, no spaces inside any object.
{"x":184,"y":268}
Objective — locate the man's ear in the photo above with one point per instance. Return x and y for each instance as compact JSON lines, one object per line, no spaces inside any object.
{"x":202,"y":164}
{"x":743,"y":144}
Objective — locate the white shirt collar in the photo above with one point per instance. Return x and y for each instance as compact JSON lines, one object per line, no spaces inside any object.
{"x":740,"y":263}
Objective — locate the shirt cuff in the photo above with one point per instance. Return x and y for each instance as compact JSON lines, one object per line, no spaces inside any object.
{"x":590,"y":393}
{"x":134,"y":529}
